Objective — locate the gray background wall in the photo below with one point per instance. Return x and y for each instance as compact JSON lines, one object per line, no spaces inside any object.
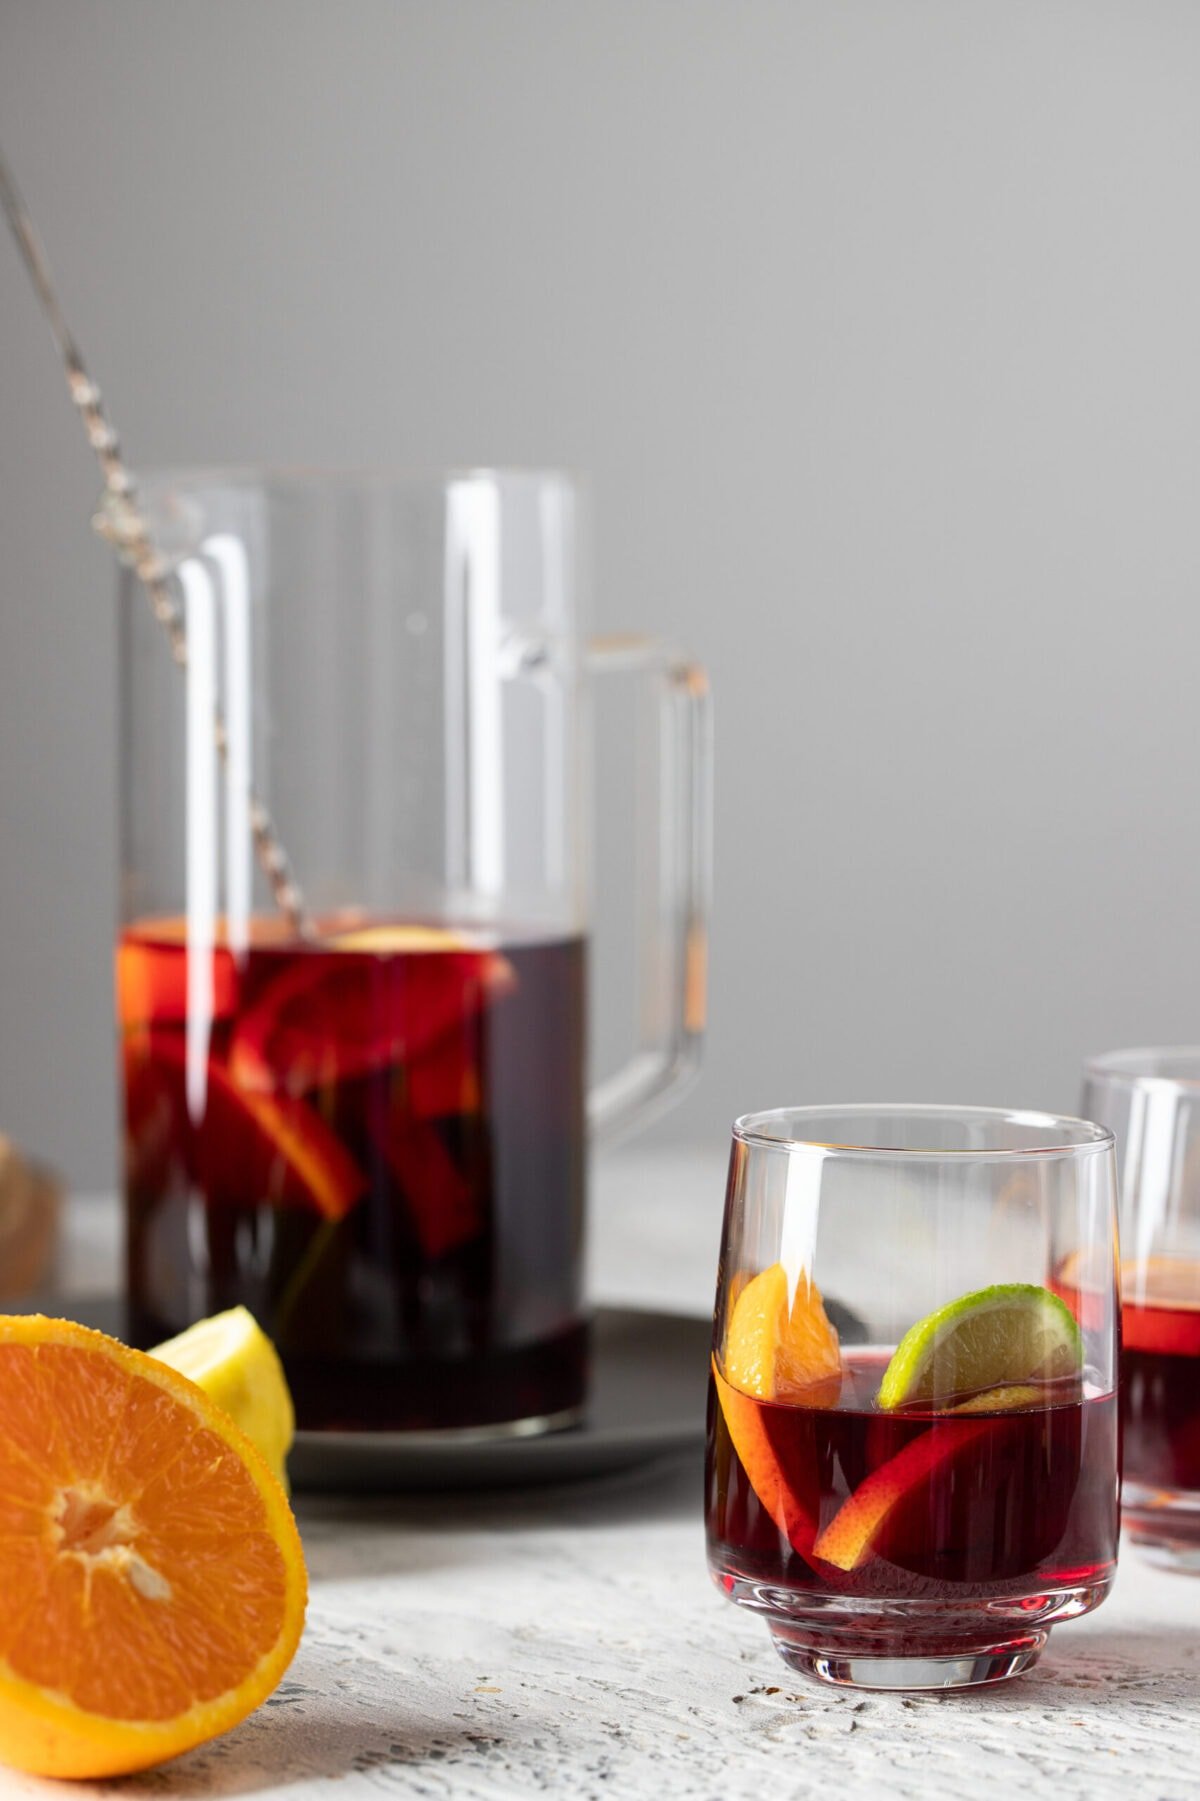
{"x":876,"y":326}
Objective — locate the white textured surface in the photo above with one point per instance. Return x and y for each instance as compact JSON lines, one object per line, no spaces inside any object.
{"x":571,"y":1644}
{"x":568,"y":1642}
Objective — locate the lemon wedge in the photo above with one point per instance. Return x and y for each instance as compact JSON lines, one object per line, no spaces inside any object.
{"x":231,"y":1358}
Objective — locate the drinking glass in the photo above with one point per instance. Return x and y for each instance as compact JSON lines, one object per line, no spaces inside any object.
{"x":911,"y":1501}
{"x":368,"y":1123}
{"x":1151,"y":1100}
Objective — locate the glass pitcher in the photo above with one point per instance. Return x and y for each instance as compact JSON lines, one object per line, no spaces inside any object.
{"x":366,"y":1117}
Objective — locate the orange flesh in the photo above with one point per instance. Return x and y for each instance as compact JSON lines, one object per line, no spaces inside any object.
{"x":782,"y":1355}
{"x":150,"y":1568}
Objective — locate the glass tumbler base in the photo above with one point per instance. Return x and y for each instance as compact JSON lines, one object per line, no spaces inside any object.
{"x":900,"y":1644}
{"x":961,"y":1669}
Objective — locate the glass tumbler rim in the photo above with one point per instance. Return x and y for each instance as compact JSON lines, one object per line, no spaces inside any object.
{"x":1134,"y":1067}
{"x":1069,"y":1136}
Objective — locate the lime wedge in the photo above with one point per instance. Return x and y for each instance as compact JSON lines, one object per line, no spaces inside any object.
{"x":1014,"y":1333}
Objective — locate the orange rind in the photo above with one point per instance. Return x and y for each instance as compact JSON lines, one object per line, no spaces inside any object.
{"x":849,"y":1538}
{"x":781,"y":1354}
{"x":248,"y":1148}
{"x":749,"y":1437}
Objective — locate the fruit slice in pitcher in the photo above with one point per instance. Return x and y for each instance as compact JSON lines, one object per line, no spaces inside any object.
{"x":152,"y":966}
{"x":443,"y":1079}
{"x":152,"y":982}
{"x":387,"y":994}
{"x":443,"y":1207}
{"x":248,"y":1149}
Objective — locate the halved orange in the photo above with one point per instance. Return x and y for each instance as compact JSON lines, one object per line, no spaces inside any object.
{"x":152,"y":1576}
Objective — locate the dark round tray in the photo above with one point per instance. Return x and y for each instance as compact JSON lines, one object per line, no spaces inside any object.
{"x":649,"y":1375}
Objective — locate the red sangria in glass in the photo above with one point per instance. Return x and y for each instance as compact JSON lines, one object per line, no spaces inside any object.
{"x":1160,"y":1376}
{"x":914,"y":1510}
{"x":1151,"y":1100}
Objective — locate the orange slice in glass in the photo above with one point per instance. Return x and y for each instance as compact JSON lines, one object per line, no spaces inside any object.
{"x":153,"y":1579}
{"x":782,"y":1354}
{"x":849,"y":1538}
{"x":792,"y":1505}
{"x":776,"y":1353}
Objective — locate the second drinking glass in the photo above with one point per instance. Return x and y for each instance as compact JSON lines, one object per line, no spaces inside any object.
{"x":914,"y":1483}
{"x":1151,"y":1099}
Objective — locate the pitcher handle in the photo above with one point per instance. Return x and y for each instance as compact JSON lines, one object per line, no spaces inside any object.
{"x":672,"y":944}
